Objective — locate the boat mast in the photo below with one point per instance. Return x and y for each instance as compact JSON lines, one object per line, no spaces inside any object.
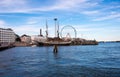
{"x":58,"y":30}
{"x":46,"y":30}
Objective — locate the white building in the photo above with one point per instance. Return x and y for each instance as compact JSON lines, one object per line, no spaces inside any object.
{"x":37,"y":38}
{"x":25,"y":39}
{"x":7,"y":36}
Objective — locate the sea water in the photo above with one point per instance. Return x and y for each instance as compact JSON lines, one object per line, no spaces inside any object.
{"x":101,"y":60}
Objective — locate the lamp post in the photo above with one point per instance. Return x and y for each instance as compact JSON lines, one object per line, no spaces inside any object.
{"x":55,"y":19}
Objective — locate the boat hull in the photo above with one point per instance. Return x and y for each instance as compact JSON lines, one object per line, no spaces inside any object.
{"x":56,"y":43}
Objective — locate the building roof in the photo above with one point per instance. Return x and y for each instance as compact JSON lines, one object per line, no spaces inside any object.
{"x":24,"y":35}
{"x":6,"y":29}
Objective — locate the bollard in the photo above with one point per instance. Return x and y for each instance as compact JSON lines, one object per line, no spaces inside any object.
{"x":55,"y":50}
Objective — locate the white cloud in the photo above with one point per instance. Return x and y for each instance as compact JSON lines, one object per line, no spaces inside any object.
{"x":32,"y":30}
{"x":13,"y":6}
{"x":68,"y":5}
{"x":81,"y":6}
{"x":3,"y":24}
{"x":60,"y":5}
{"x":23,"y":6}
{"x":11,"y":3}
{"x":91,"y":12}
{"x":32,"y":21}
{"x":26,"y":29}
{"x":112,"y":16}
{"x":32,"y":26}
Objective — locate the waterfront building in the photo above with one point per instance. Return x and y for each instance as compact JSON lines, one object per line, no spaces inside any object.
{"x":25,"y":38}
{"x":7,"y":36}
{"x":38,"y":38}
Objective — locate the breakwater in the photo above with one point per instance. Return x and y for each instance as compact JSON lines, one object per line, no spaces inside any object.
{"x":84,"y":42}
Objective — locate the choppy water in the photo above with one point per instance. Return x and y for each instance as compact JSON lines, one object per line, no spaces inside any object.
{"x":101,"y":60}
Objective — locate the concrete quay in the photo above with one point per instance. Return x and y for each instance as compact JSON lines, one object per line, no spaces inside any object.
{"x":5,"y":47}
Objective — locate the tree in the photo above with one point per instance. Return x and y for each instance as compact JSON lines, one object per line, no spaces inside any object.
{"x":17,"y":39}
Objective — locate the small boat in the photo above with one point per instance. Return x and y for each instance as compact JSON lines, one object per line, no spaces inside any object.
{"x":34,"y":46}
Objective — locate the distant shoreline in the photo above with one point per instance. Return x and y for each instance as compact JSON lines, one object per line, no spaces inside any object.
{"x":108,"y":41}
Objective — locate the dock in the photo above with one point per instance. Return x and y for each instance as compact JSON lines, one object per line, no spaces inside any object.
{"x":3,"y":47}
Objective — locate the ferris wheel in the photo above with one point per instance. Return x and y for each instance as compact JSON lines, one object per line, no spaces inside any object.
{"x":67,"y":31}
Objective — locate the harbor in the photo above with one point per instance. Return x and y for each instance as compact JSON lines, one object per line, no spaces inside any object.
{"x":59,"y":38}
{"x":10,"y":39}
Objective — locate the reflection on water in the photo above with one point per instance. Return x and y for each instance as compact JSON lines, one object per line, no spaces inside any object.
{"x":102,"y":60}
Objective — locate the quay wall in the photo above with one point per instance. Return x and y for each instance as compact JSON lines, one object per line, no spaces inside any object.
{"x":21,"y":44}
{"x":6,"y":47}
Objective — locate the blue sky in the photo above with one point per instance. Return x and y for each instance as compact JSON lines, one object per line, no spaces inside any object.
{"x":93,"y":19}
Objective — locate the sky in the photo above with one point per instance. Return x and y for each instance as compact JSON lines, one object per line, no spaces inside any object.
{"x":92,"y":19}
